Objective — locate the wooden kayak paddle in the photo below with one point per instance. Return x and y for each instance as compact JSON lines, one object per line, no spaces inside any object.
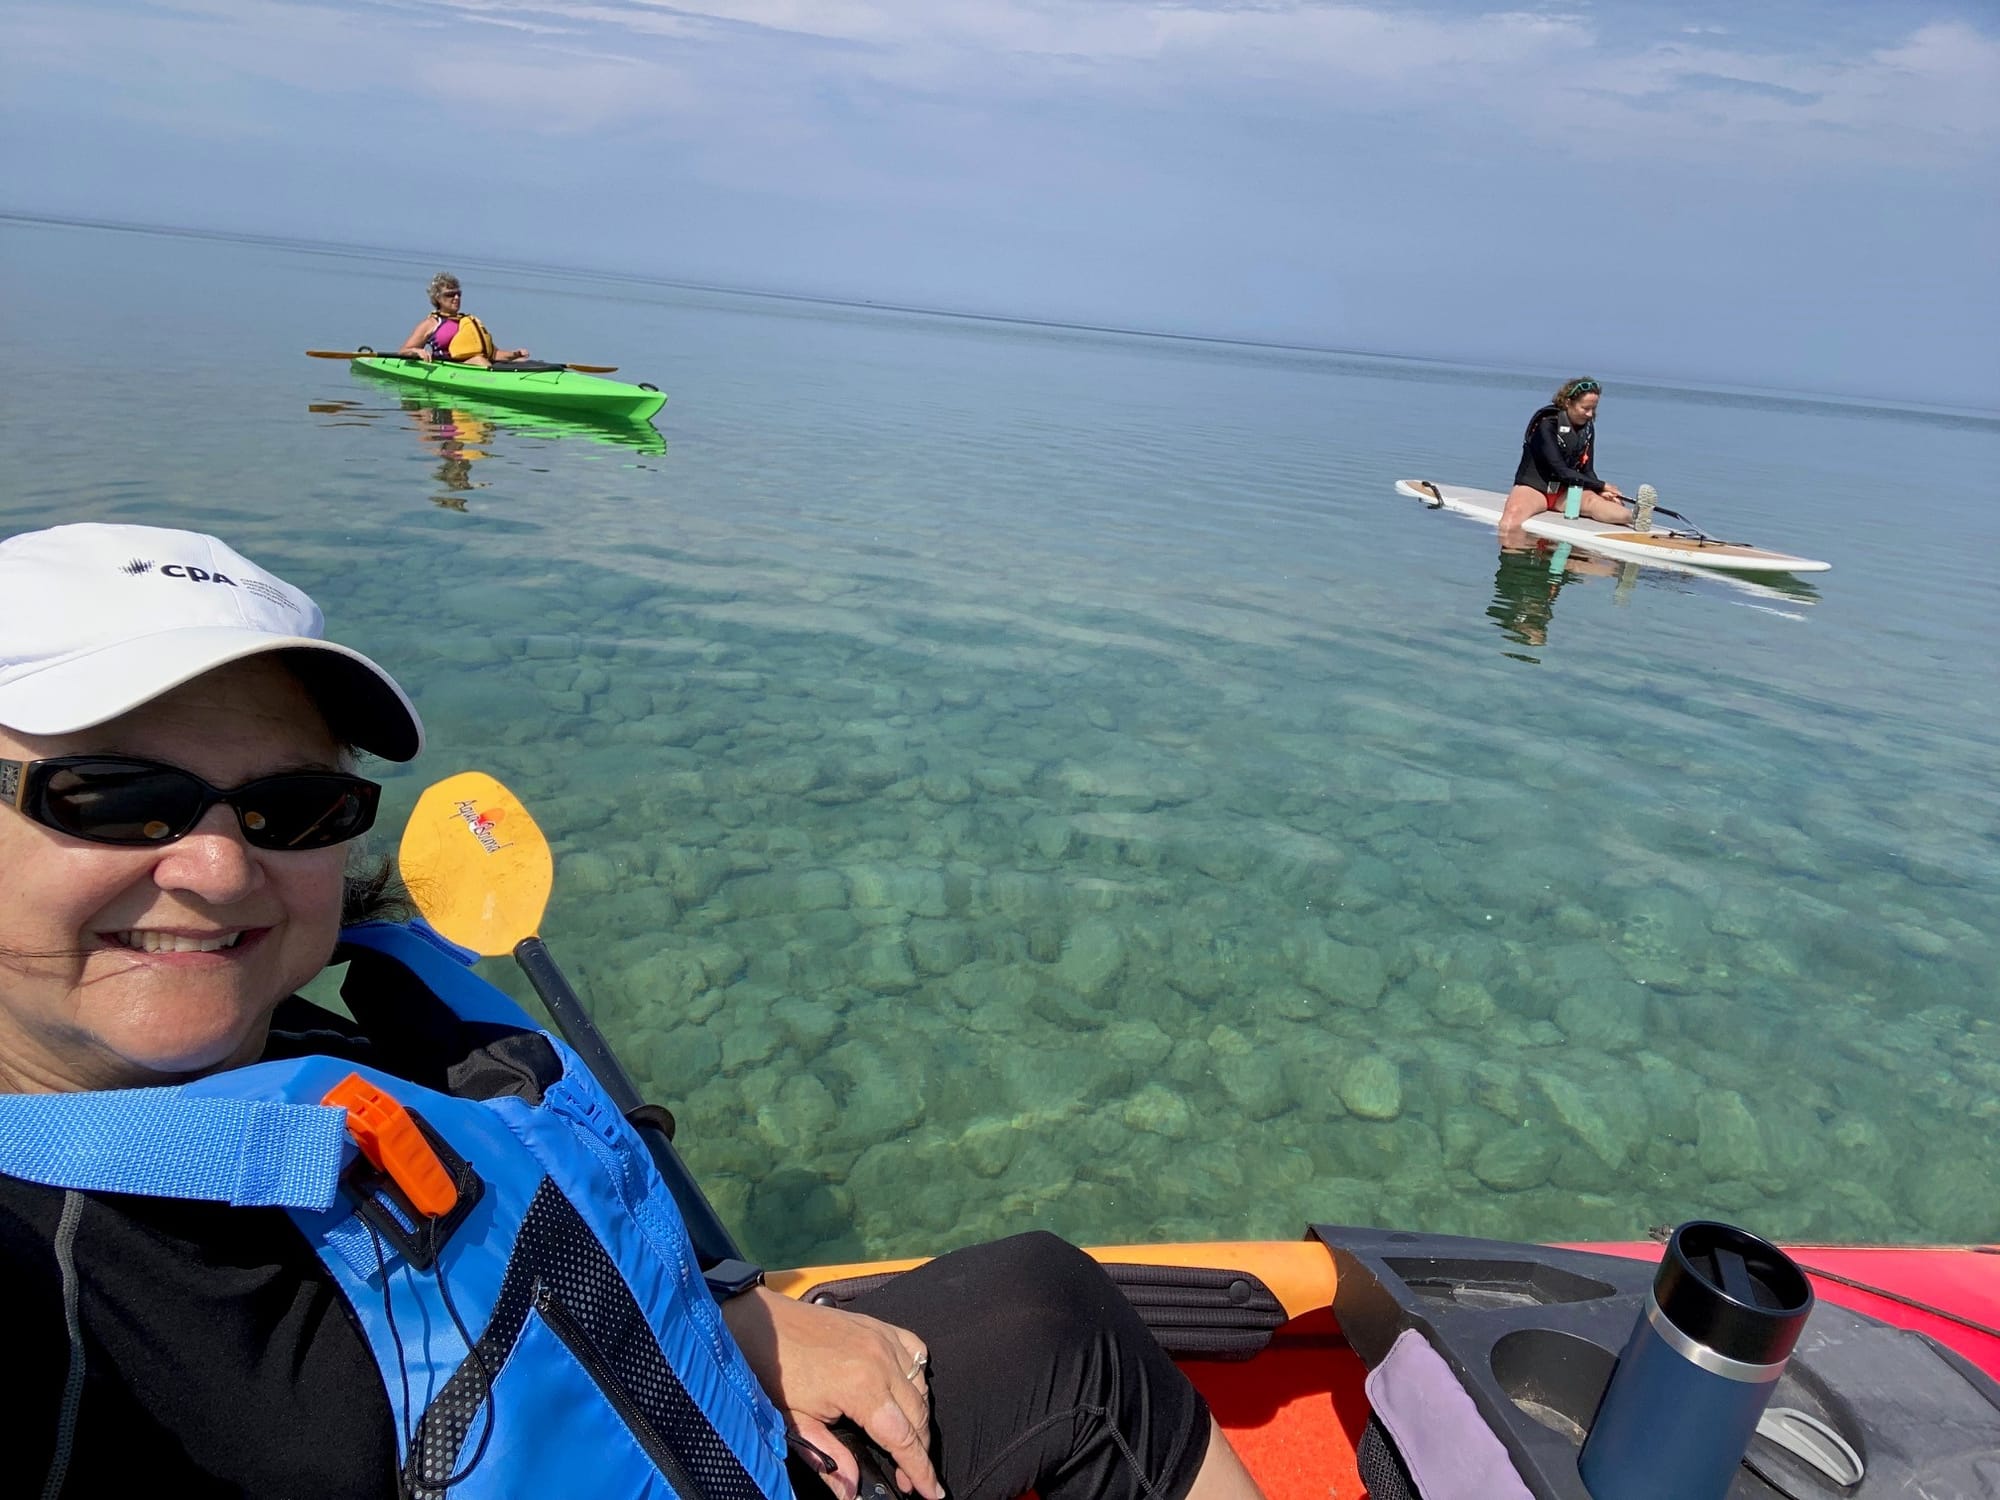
{"x":479,"y":871}
{"x":393,"y":354}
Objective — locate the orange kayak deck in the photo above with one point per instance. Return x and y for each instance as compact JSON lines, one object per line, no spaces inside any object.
{"x":1295,"y":1412}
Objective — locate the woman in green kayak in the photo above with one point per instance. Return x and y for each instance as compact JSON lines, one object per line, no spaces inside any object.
{"x":257,"y":1247}
{"x":449,"y":334}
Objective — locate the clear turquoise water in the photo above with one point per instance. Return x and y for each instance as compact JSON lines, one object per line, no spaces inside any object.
{"x":1011,"y":776}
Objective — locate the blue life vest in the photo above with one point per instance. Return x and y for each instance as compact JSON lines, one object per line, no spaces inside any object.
{"x":600,"y":1365}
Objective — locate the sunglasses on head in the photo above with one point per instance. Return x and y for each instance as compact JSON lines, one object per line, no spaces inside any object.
{"x":113,"y":799}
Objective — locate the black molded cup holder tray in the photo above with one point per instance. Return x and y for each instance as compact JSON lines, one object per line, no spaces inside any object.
{"x":1534,"y":1335}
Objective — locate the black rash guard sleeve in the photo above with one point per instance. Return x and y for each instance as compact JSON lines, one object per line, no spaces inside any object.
{"x":1554,"y":464}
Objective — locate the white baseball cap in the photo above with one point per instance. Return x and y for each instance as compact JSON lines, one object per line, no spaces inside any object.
{"x":97,"y":619}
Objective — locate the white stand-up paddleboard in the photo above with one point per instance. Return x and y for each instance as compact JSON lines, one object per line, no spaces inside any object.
{"x":1679,"y":549}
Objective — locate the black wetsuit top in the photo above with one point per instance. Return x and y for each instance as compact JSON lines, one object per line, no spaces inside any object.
{"x":1555,"y":454}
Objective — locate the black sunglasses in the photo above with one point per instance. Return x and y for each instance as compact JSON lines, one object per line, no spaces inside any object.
{"x":112,"y":799}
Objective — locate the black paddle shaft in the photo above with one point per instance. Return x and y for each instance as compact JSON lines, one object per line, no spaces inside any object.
{"x":711,"y":1237}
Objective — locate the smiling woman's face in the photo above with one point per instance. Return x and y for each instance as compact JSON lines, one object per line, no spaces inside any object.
{"x":123,"y":967}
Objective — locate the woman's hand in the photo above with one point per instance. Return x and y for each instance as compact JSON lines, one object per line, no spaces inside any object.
{"x":819,"y":1364}
{"x":1611,"y":491}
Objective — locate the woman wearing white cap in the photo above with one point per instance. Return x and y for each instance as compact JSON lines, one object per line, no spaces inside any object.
{"x":255,"y":1250}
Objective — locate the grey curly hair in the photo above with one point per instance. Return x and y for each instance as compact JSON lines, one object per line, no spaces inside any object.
{"x":444,"y":281}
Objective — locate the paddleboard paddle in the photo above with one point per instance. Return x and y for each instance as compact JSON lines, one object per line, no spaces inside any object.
{"x":366,"y":353}
{"x":479,"y":871}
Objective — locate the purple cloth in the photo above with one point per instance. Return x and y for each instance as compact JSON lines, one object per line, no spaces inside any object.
{"x":1449,"y":1450}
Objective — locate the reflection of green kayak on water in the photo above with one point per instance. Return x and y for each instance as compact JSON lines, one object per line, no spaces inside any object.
{"x":455,"y":417}
{"x":531,"y":384}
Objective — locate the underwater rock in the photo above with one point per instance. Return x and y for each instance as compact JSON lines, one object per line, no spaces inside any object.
{"x":1062,"y":1080}
{"x":1502,"y":1088}
{"x":1139,"y":1042}
{"x":1092,"y":957}
{"x":799,"y":1117}
{"x":1353,"y":975}
{"x":1463,"y":1002}
{"x":587,"y":872}
{"x":827,"y":931}
{"x":882,"y":1099}
{"x":1610,"y":1121}
{"x":1610,"y":1018}
{"x":939,"y":947}
{"x":663,"y":984}
{"x":1953,"y":1196}
{"x":988,"y":1146}
{"x":1404,"y":1154}
{"x":1727,"y":1137}
{"x":678,"y":1060}
{"x":819,"y":890}
{"x":551,"y":647}
{"x":1464,"y":1131}
{"x":809,"y":1024}
{"x":1516,"y":1161}
{"x":760,"y":895}
{"x":628,"y":701}
{"x":1051,"y":836}
{"x":1044,"y":941}
{"x":1255,"y":1085}
{"x":948,"y":787}
{"x":1193,"y":967}
{"x":917,"y":889}
{"x":1158,"y":1111}
{"x":1008,"y":779}
{"x":883,"y":964}
{"x":1130,"y":786}
{"x":1372,"y":1087}
{"x":465,"y":648}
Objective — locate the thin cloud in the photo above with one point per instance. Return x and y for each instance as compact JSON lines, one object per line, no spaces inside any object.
{"x":1941,"y":79}
{"x":766,"y":69}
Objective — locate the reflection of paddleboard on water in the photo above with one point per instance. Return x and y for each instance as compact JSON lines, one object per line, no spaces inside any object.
{"x":1684,"y":550}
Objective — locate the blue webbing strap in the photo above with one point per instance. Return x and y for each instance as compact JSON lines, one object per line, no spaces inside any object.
{"x":252,"y":1153}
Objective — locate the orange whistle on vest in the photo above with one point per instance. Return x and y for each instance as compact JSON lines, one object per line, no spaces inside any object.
{"x":389,"y":1138}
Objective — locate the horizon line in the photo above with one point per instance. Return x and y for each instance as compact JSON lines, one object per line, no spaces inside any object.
{"x":1019,"y":320}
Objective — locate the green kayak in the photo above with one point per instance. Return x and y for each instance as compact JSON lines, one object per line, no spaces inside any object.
{"x":549,"y":387}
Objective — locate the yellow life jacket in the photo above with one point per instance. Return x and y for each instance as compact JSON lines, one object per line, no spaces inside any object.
{"x":471,"y":338}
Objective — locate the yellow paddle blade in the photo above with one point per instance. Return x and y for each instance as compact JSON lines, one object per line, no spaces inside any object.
{"x":476,"y":865}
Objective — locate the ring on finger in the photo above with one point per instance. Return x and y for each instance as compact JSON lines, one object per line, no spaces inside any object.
{"x":917,"y":1367}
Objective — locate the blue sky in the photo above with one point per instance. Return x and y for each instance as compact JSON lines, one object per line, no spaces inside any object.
{"x":1785,"y":194}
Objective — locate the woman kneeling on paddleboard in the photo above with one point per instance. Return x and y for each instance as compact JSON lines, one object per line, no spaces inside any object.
{"x":1556,"y":454}
{"x":255,"y":1247}
{"x":449,"y":334}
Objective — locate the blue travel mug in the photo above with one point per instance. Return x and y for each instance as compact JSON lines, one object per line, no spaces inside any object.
{"x":1697,"y":1372}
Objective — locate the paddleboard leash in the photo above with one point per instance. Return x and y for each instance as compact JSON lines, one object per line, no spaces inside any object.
{"x":1649,"y":507}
